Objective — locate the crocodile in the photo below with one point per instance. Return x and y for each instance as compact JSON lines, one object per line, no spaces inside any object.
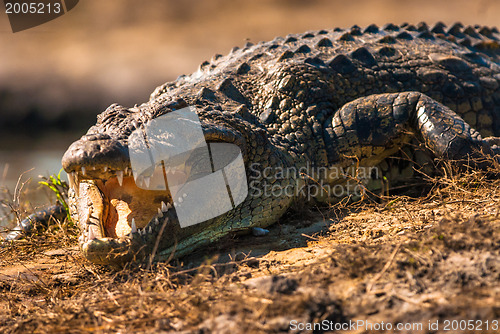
{"x":328,"y":99}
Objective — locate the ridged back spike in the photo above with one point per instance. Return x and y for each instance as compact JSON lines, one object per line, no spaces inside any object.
{"x":422,"y":26}
{"x":390,"y":27}
{"x":456,"y":30}
{"x":372,"y":28}
{"x":346,"y":37}
{"x":471,"y":32}
{"x":438,"y":28}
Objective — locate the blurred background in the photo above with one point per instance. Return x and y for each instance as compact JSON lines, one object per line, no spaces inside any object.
{"x":55,"y":78}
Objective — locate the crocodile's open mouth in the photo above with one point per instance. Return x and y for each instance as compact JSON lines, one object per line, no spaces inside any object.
{"x":115,"y":207}
{"x":124,"y":217}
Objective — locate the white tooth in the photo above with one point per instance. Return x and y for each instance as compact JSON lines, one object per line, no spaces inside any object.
{"x":83,"y":171}
{"x":147,"y":180}
{"x":135,"y":124}
{"x":105,"y":169}
{"x":133,"y":226}
{"x":119,"y":176}
{"x":157,"y":221}
{"x":140,"y":182}
{"x":77,"y":184}
{"x":71,"y":180}
{"x":164,"y":208}
{"x":169,"y":206}
{"x":181,"y":200}
{"x":91,"y":234}
{"x":125,"y":170}
{"x":150,"y":229}
{"x":93,"y":167}
{"x":160,"y":214}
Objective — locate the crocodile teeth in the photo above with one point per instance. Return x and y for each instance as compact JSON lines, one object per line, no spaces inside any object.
{"x":83,"y":171}
{"x":164,"y":208}
{"x":140,"y":181}
{"x":160,"y":214}
{"x":119,"y":176}
{"x":105,"y":169}
{"x":76,"y":183}
{"x":72,"y":180}
{"x":147,"y":180}
{"x":133,"y":226}
{"x":150,"y":229}
{"x":92,"y":235}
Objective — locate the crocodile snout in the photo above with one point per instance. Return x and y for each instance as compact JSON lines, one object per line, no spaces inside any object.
{"x":96,"y":152}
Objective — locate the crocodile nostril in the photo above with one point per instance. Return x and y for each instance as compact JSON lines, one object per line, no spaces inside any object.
{"x":95,"y":136}
{"x":96,"y":150}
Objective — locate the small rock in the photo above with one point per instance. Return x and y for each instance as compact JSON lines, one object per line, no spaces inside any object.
{"x":273,"y":284}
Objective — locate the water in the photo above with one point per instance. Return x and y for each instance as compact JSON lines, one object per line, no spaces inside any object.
{"x":32,"y":163}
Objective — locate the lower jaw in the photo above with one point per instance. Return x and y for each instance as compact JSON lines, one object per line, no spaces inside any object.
{"x":107,"y":251}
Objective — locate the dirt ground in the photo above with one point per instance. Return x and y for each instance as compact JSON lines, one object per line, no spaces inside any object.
{"x":417,"y":262}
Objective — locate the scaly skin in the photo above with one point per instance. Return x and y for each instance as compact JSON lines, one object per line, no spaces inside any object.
{"x":324,"y":99}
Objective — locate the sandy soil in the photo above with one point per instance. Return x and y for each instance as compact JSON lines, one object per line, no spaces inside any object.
{"x":410,"y":261}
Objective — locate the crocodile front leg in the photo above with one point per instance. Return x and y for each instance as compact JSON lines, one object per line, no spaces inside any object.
{"x":371,"y":128}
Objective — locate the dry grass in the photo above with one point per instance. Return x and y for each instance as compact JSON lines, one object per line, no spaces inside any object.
{"x":400,"y":260}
